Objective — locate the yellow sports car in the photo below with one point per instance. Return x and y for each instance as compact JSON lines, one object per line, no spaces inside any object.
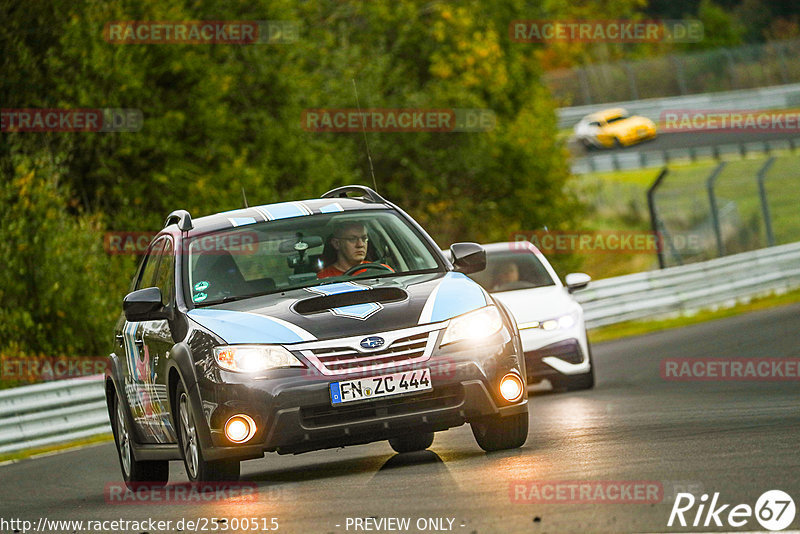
{"x":613,"y":128}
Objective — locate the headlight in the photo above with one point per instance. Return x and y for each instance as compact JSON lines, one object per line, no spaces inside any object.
{"x":559,"y":323}
{"x":252,"y":358}
{"x":474,"y":325}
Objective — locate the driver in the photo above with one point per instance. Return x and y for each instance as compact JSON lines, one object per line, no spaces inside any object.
{"x":349,"y":240}
{"x":506,"y":274}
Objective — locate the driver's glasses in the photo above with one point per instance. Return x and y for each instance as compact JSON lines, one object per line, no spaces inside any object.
{"x":353,"y":239}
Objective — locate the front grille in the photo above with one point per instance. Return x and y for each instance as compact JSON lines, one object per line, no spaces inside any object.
{"x":569,"y":351}
{"x":326,"y":415}
{"x":347,"y":360}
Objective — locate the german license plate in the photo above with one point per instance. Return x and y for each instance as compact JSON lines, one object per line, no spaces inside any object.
{"x":376,"y":387}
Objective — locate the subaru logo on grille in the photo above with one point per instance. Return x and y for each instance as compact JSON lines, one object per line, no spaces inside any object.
{"x":372,"y":342}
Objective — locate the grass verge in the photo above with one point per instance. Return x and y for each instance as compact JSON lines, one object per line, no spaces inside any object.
{"x":635,"y":328}
{"x":21,"y":455}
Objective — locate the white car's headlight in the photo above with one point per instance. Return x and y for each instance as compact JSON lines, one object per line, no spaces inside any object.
{"x":252,"y":358}
{"x":559,"y":323}
{"x":474,"y":325}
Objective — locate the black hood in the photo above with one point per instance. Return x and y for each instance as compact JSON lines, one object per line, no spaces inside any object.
{"x":343,"y":309}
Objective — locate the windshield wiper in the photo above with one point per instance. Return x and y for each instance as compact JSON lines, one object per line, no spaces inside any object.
{"x":230,"y":298}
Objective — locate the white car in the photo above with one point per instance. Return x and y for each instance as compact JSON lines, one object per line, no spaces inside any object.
{"x":550,"y":321}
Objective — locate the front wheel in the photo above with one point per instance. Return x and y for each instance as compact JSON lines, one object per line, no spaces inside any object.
{"x":197,"y":468}
{"x":412,"y":442}
{"x":497,"y":433}
{"x":574,"y":382}
{"x":135,"y":473}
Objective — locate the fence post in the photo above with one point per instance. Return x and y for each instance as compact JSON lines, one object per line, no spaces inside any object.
{"x":631,"y":81}
{"x":679,"y":74}
{"x":651,"y":204}
{"x":731,"y":68}
{"x":762,"y":191}
{"x":712,"y":200}
{"x":782,"y":62}
{"x":585,"y":87}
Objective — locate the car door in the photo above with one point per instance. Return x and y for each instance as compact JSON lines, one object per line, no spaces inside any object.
{"x":143,"y":393}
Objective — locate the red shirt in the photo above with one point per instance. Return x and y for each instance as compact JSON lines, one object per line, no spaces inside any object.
{"x":330,"y":270}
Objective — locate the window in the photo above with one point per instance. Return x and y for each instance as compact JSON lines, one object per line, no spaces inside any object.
{"x":165,"y":279}
{"x":286,"y":254}
{"x":509,"y":270}
{"x":148,"y":276}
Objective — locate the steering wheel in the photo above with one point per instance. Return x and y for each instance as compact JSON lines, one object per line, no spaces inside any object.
{"x":366,"y":266}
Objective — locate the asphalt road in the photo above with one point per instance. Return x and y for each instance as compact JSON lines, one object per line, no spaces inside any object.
{"x":667,"y":141}
{"x":736,"y":438}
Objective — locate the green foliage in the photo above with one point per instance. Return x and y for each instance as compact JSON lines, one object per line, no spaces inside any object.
{"x":721,"y":28}
{"x":57,"y":286}
{"x":221,"y":117}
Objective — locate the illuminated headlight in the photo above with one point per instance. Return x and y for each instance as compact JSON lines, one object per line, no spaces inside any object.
{"x":475,"y":325}
{"x":559,"y":323}
{"x":252,"y":358}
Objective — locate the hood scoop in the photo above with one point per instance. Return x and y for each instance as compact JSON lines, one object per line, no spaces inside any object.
{"x":350,"y":298}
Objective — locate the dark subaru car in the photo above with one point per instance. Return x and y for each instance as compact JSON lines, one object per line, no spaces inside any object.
{"x":301,"y":326}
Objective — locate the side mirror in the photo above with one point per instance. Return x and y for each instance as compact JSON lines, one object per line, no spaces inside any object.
{"x":576,"y":281}
{"x":144,"y":305}
{"x":468,"y":258}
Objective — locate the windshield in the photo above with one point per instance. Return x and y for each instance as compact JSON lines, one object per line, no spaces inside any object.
{"x":512,"y":269}
{"x":305,"y":251}
{"x":616,"y":118}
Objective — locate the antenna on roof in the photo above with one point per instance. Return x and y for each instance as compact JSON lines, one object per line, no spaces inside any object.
{"x":244,"y":198}
{"x":364,"y":131}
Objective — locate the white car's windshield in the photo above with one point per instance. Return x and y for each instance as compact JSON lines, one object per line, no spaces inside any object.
{"x":512,"y":269}
{"x":301,"y":252}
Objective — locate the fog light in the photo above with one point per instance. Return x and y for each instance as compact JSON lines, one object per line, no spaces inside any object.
{"x":511,"y":387}
{"x":240,"y":428}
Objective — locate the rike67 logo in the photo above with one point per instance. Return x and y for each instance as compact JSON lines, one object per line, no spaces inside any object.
{"x":774,"y":510}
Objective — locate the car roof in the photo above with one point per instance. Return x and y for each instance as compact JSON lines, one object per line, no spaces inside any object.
{"x":281,"y":210}
{"x":606,"y":114}
{"x":515,"y":246}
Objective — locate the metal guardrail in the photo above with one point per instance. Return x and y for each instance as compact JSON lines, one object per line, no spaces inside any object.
{"x":67,"y":410}
{"x":776,"y":97}
{"x":644,"y":159}
{"x":688,"y":288}
{"x":51,"y":413}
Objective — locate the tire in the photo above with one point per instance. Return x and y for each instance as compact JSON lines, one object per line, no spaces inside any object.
{"x":574,"y":382}
{"x":197,"y":468}
{"x":153,"y":473}
{"x":617,"y":143}
{"x":418,"y":441}
{"x":496,"y":433}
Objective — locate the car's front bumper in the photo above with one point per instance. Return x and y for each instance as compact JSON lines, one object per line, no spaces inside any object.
{"x":558,"y":352}
{"x":293,"y":410}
